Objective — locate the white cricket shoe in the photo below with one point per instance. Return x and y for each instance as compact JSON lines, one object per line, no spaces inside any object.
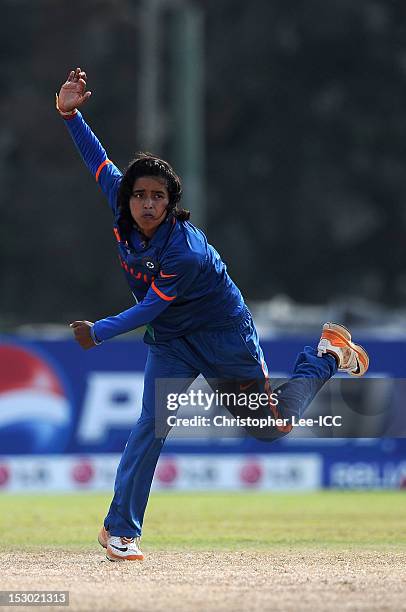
{"x":120,"y":548}
{"x":336,"y":340}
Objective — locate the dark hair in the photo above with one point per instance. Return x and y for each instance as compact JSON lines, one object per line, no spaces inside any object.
{"x":146,"y":164}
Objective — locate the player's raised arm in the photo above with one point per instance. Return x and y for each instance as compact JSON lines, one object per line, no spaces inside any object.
{"x":72,"y":96}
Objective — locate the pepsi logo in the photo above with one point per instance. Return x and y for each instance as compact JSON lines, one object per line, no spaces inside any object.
{"x":4,"y":475}
{"x":83,"y":472}
{"x":167,"y":472}
{"x":35,"y":414}
{"x":251,"y":473}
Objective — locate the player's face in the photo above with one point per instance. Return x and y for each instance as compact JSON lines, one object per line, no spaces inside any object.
{"x":148,"y":203}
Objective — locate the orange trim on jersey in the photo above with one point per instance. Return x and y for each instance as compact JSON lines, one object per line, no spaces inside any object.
{"x":116,"y":233}
{"x":167,"y":298}
{"x":100,"y":168}
{"x":167,"y":275}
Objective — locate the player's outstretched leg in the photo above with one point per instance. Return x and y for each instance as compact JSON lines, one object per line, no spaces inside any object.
{"x":336,"y":340}
{"x":314,"y":367}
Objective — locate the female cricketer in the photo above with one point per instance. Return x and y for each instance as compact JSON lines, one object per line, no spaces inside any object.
{"x":197,"y":320}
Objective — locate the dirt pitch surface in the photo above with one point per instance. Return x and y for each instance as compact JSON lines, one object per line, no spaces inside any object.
{"x":215,"y":581}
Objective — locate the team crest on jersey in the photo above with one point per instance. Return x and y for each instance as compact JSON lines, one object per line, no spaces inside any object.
{"x":149,"y":263}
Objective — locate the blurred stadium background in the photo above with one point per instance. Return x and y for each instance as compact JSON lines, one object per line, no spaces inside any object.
{"x":287,"y":122}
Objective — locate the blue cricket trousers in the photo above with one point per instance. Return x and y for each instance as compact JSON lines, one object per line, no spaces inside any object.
{"x":226,"y":353}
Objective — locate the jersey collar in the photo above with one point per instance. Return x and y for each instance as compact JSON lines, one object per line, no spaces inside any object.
{"x":158,"y":239}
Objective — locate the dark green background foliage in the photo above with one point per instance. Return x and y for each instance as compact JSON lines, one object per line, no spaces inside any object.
{"x":305,"y":150}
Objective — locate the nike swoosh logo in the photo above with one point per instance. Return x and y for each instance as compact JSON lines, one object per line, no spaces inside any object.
{"x":166,"y":275}
{"x":277,"y":415}
{"x":118,"y":548}
{"x":247,"y":386}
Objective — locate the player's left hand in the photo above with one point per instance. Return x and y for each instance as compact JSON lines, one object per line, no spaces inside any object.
{"x":81,"y":330}
{"x":73,"y":92}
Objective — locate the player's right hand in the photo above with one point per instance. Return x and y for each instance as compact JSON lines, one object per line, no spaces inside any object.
{"x":73,"y":92}
{"x":81,"y":331}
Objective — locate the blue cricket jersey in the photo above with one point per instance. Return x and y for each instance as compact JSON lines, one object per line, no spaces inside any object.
{"x":178,"y":280}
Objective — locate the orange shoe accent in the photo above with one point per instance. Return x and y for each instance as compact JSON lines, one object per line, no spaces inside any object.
{"x":335,"y":338}
{"x":110,"y":553}
{"x":362,"y":355}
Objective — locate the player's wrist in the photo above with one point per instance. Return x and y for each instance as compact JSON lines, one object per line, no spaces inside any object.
{"x":94,"y":336}
{"x":64,"y":113}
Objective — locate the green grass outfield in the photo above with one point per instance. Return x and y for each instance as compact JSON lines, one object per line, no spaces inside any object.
{"x":221,"y":521}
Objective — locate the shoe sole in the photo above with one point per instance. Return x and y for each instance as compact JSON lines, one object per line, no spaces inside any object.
{"x":363,"y":359}
{"x":330,"y":330}
{"x":112,"y":557}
